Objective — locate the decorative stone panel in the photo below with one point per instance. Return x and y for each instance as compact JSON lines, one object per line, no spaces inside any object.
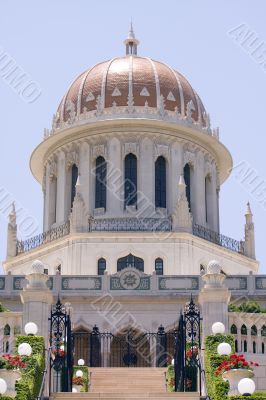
{"x":81,"y":283}
{"x":178,"y":283}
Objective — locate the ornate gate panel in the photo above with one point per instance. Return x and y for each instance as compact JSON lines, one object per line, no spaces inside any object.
{"x":61,"y":361}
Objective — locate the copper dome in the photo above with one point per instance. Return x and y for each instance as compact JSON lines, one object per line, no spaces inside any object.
{"x":141,"y":80}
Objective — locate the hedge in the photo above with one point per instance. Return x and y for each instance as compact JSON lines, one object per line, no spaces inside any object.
{"x":85,"y":371}
{"x":170,"y":378}
{"x":217,"y":388}
{"x":29,"y":385}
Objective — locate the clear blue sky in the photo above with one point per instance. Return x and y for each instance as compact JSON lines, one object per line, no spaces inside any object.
{"x":55,"y":40}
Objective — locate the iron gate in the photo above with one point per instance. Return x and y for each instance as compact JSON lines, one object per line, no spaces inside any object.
{"x":130,"y":348}
{"x":61,"y":358}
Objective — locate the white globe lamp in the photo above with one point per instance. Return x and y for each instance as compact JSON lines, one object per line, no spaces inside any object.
{"x":79,"y":373}
{"x":173,"y":362}
{"x":62,"y":347}
{"x":3,"y":386}
{"x":24,"y":349}
{"x":31,"y":329}
{"x":246,"y":387}
{"x":218,"y":328}
{"x":224,"y":349}
{"x":74,"y":390}
{"x":81,"y":362}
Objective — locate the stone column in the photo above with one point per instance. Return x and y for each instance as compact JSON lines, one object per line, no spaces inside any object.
{"x":175,"y":170}
{"x":146,"y":179}
{"x":47,"y":198}
{"x":61,"y":185}
{"x":85,"y":175}
{"x":37,"y":300}
{"x":214,"y":298}
{"x":199,"y":216}
{"x":115,"y":187}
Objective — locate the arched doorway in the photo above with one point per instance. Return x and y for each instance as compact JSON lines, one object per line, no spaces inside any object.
{"x":130,"y":348}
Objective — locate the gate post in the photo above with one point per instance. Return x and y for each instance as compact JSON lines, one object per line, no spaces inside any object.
{"x":161,"y":350}
{"x":95,"y":350}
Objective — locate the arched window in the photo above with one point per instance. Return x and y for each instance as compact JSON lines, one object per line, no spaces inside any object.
{"x":101,"y":266}
{"x":130,"y":261}
{"x":244,"y":330}
{"x":130,"y":180}
{"x":254,"y":331}
{"x":207,"y":198}
{"x":187,"y":179}
{"x":7,"y":330}
{"x":263,"y":330}
{"x":263,"y":348}
{"x":245,"y":346}
{"x":254,"y":348}
{"x":74,"y":178}
{"x":100,"y":182}
{"x":236,"y":346}
{"x":160,"y":182}
{"x":233,"y":329}
{"x":159,"y":266}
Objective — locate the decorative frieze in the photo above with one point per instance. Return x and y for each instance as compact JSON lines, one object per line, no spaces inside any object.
{"x":81,"y":283}
{"x":130,"y":279}
{"x":99,"y":150}
{"x":181,"y":283}
{"x":131,"y":147}
{"x":161,"y":150}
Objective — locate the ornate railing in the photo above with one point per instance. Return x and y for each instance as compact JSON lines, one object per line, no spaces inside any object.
{"x":219,"y":239}
{"x":130,"y":224}
{"x":43,"y":238}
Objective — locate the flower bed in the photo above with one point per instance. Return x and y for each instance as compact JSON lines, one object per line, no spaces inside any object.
{"x":82,"y":382}
{"x":217,"y":388}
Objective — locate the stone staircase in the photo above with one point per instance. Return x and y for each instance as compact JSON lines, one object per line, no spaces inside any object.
{"x":127,"y":384}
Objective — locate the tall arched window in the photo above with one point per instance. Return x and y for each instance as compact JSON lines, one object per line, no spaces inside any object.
{"x":207,"y":198}
{"x":159,"y":266}
{"x":263,"y":348}
{"x":236,"y":346}
{"x":7,"y":330}
{"x":130,"y":180}
{"x":245,"y":346}
{"x":130,"y":261}
{"x":74,"y":178}
{"x":254,"y":345}
{"x":254,"y":331}
{"x":233,"y":329}
{"x":244,"y":330}
{"x":263,"y":330}
{"x":160,"y":182}
{"x":100,"y":183}
{"x":187,"y":179}
{"x":101,"y":266}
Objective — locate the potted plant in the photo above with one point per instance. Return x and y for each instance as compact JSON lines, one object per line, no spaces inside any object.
{"x":10,"y":366}
{"x":234,"y":369}
{"x":78,"y":383}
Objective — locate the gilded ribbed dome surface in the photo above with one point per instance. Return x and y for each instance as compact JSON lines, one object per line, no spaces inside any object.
{"x":131,"y":81}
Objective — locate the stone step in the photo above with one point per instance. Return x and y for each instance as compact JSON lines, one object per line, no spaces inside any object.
{"x":125,"y":396}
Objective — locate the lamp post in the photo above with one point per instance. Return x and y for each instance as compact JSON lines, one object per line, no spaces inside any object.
{"x":31,"y":329}
{"x":24,"y":349}
{"x":246,"y":387}
{"x":218,"y":328}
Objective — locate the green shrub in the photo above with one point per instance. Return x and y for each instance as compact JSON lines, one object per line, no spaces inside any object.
{"x":85,"y":371}
{"x":247,"y":307}
{"x":217,"y":388}
{"x":3,"y":308}
{"x":29,"y":385}
{"x":171,"y":379}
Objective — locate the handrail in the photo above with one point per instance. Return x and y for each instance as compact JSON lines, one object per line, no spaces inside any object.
{"x":44,"y":373}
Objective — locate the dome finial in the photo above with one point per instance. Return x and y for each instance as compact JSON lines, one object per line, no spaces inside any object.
{"x":131,"y":42}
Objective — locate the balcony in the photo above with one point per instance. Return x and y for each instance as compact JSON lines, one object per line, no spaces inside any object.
{"x":128,"y":225}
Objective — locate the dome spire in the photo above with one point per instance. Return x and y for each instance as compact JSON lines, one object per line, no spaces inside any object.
{"x":131,"y":42}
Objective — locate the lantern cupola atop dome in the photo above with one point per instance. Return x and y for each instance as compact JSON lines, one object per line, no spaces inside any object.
{"x":131,"y":42}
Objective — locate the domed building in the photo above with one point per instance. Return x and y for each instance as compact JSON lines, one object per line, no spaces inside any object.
{"x":131,"y":171}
